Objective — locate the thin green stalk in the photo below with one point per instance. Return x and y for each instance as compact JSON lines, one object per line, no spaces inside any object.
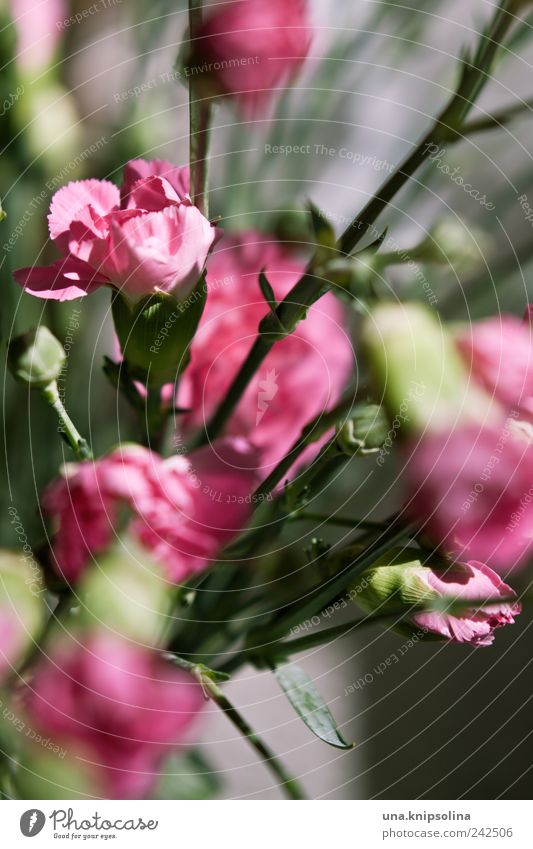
{"x":155,"y":418}
{"x":79,"y":445}
{"x":288,"y":784}
{"x":199,"y":125}
{"x":446,"y":127}
{"x":337,"y":521}
{"x":319,"y":473}
{"x":283,"y":649}
{"x":319,"y":598}
{"x":497,"y":119}
{"x":312,"y":432}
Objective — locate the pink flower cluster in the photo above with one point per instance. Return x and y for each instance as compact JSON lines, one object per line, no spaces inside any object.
{"x":303,"y":374}
{"x":182,"y":510}
{"x":119,"y":708}
{"x":146,"y":237}
{"x":473,"y":486}
{"x":249,"y":48}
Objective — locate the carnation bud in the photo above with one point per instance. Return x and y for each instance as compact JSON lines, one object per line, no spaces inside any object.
{"x":155,"y":333}
{"x":127,"y":593}
{"x":50,"y":769}
{"x":393,"y":582}
{"x":451,"y":243}
{"x":21,"y":607}
{"x":365,"y":431}
{"x":418,"y":371}
{"x":248,"y":50}
{"x":464,"y":602}
{"x":36,"y":357}
{"x":293,"y":225}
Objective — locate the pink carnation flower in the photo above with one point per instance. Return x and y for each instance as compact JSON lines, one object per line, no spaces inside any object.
{"x":118,"y":708}
{"x":145,"y":238}
{"x":499,"y":354}
{"x":303,"y":375}
{"x":464,"y":582}
{"x":249,"y":48}
{"x":183,"y":510}
{"x":473,"y":490}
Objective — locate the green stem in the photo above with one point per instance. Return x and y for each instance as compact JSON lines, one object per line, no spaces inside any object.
{"x":289,"y":785}
{"x":280,"y":650}
{"x":319,"y":598}
{"x":199,"y":125}
{"x":338,"y":521}
{"x":293,"y":308}
{"x":155,"y":418}
{"x":312,"y":432}
{"x":497,"y":119}
{"x":318,"y":474}
{"x":79,"y":445}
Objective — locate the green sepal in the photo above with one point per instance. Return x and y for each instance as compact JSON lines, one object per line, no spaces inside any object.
{"x":156,"y":332}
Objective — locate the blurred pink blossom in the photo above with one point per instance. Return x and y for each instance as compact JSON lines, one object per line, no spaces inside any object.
{"x":13,"y":639}
{"x":302,"y":376}
{"x":145,"y":238}
{"x":183,"y":510}
{"x":38,"y":31}
{"x":499,"y":354}
{"x":473,"y":489}
{"x":119,"y":707}
{"x":250,"y":48}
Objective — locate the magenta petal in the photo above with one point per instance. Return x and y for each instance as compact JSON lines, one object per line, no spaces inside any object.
{"x":141,"y":169}
{"x":152,"y":195}
{"x":64,"y":280}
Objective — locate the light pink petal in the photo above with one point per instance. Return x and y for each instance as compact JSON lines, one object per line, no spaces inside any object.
{"x":36,"y":23}
{"x":156,"y":251}
{"x":68,"y":202}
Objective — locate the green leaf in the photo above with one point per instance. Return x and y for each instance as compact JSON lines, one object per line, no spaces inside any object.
{"x":194,"y":668}
{"x":309,"y":704}
{"x":267,"y":290}
{"x":374,"y":246}
{"x":187,"y":777}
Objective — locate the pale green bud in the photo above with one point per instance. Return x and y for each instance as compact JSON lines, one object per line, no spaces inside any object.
{"x":36,"y":357}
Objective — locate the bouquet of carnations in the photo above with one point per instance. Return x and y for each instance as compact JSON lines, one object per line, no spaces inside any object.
{"x":257,"y":366}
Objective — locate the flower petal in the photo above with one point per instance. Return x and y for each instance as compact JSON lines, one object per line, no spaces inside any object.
{"x":66,"y":204}
{"x":64,"y":280}
{"x":141,"y":169}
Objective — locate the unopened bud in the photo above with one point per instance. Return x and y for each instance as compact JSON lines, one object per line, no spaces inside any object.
{"x":21,"y":606}
{"x":365,"y":431}
{"x":155,"y":333}
{"x":126,"y":593}
{"x":418,"y":371}
{"x":36,"y":357}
